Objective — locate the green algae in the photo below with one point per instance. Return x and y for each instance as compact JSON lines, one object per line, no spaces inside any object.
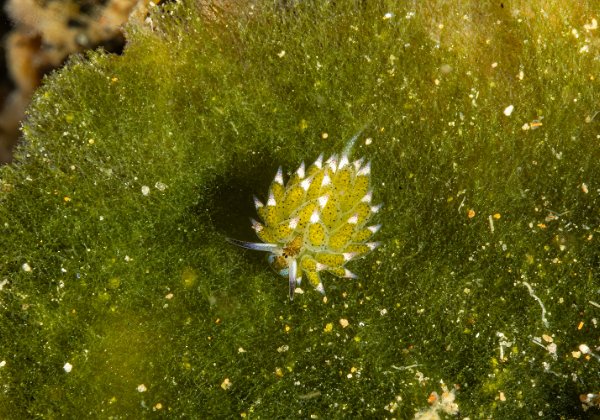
{"x":134,"y":169}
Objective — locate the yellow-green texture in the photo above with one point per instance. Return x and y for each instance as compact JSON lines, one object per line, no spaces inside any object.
{"x":121,"y":299}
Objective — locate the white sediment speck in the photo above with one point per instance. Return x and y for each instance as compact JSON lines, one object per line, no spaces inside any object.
{"x":591,"y":26}
{"x":509,"y":110}
{"x":68,"y":367}
{"x":2,"y":363}
{"x":160,"y":186}
{"x":145,"y":190}
{"x":584,"y":188}
{"x":26,"y":267}
{"x":141,"y":388}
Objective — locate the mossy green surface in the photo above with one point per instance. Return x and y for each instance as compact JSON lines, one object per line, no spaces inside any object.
{"x":134,"y":169}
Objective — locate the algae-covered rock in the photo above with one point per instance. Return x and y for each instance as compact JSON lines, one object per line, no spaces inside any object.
{"x":120,"y":296}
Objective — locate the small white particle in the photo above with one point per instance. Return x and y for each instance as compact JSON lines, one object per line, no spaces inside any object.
{"x":145,"y":190}
{"x":160,"y":186}
{"x":368,"y":141}
{"x":2,"y":363}
{"x":281,"y":53}
{"x":141,"y":388}
{"x":101,"y":218}
{"x":127,"y":258}
{"x":494,"y":65}
{"x":383,"y":312}
{"x":591,"y":26}
{"x":68,"y":367}
{"x":509,"y":110}
{"x":26,"y":267}
{"x":241,"y":350}
{"x":388,"y":15}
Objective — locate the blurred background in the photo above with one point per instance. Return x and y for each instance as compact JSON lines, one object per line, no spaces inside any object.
{"x":38,"y":36}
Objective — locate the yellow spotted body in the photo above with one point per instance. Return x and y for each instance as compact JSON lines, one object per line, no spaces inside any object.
{"x":317,"y":221}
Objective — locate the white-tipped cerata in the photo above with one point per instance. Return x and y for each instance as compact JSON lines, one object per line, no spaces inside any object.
{"x":301,"y":171}
{"x":365,"y":170}
{"x":358,"y":163}
{"x":323,"y":201}
{"x":256,"y":225}
{"x":343,"y":162}
{"x":317,"y":223}
{"x":319,"y":162}
{"x":293,"y":273}
{"x":373,"y":245}
{"x":320,"y":288}
{"x":279,"y":176}
{"x":314,"y":217}
{"x":374,"y":228}
{"x":375,"y":209}
{"x":306,"y":184}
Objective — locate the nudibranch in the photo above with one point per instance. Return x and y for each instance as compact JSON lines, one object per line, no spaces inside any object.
{"x":317,"y":222}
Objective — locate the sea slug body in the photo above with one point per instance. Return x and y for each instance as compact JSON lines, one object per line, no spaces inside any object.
{"x":317,"y":221}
